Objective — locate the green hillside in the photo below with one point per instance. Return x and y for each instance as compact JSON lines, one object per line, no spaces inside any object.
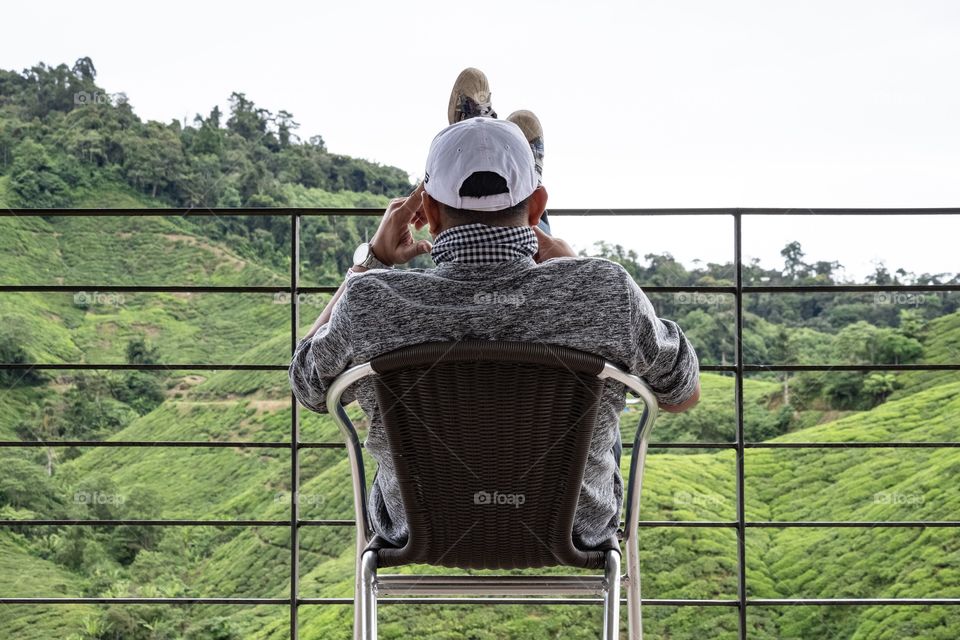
{"x":677,"y":563}
{"x":254,"y":483}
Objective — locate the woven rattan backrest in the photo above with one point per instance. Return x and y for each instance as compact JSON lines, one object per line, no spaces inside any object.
{"x":489,"y":440}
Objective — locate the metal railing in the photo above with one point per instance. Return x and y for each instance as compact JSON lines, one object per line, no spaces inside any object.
{"x":740,"y":524}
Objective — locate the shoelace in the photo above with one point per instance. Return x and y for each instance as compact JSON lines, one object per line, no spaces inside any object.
{"x":470,"y":108}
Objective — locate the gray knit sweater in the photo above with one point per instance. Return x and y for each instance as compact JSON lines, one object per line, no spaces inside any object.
{"x":486,"y":285}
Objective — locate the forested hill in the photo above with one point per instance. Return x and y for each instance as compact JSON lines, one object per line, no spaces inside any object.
{"x":62,"y":135}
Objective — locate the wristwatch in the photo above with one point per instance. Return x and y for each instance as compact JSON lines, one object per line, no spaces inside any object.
{"x":364,"y":257}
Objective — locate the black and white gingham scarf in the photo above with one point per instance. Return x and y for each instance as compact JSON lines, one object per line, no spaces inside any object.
{"x":480,"y":243}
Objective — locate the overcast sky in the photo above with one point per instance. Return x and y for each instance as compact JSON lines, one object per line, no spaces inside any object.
{"x":677,"y":103}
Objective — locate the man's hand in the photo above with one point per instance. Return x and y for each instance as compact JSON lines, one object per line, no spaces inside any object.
{"x":550,"y":247}
{"x":393,"y":242}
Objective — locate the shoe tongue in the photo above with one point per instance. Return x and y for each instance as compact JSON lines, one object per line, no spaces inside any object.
{"x":470,"y":108}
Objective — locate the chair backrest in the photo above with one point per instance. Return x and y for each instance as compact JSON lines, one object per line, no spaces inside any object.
{"x":489,"y":440}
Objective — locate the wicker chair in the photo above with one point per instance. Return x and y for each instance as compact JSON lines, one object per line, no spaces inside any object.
{"x":489,"y":441}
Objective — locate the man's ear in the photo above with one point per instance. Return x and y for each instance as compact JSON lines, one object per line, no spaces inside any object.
{"x":431,"y":210}
{"x":536,"y":205}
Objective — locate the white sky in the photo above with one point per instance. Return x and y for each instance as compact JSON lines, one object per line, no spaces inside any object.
{"x":676,"y":103}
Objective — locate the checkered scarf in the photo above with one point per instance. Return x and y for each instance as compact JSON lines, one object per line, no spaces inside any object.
{"x":480,"y":243}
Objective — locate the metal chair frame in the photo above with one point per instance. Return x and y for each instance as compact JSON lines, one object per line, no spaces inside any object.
{"x":368,"y":584}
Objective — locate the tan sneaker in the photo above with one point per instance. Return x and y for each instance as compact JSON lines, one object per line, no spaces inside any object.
{"x":470,"y":97}
{"x":530,"y":125}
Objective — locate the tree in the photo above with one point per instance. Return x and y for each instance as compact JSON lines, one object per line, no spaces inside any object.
{"x":34,"y":178}
{"x":209,"y":138}
{"x":12,"y":351}
{"x":92,"y":411}
{"x":783,"y":352}
{"x":793,"y":264}
{"x":139,"y":352}
{"x":24,"y":485}
{"x":285,"y":127}
{"x":142,"y":503}
{"x":155,"y":160}
{"x":880,"y":385}
{"x":246,"y":120}
{"x":83,"y":68}
{"x":911,"y":323}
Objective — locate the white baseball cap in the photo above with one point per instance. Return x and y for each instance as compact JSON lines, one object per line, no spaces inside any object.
{"x":480,"y":144}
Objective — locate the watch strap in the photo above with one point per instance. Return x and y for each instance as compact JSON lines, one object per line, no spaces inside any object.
{"x":372,"y":262}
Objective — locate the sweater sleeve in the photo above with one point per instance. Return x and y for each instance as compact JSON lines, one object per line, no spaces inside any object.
{"x":318,"y":360}
{"x":661,"y":354}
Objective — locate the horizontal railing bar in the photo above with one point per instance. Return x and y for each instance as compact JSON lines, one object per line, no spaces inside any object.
{"x":649,"y":289}
{"x":173,"y":523}
{"x":647,"y":602}
{"x":121,"y":366}
{"x":168,"y":212}
{"x":851,"y":367}
{"x":851,"y":445}
{"x":279,"y":288}
{"x":145,"y":443}
{"x":267,"y":601}
{"x":339,"y":445}
{"x":888,"y":524}
{"x":653,"y":602}
{"x":846,"y":288}
{"x":684,"y":524}
{"x":323,"y":445}
{"x":649,"y":524}
{"x":278,"y":445}
{"x":274,"y":289}
{"x":760,"y":602}
{"x":844,"y":211}
{"x":819,"y":524}
{"x":145,"y":523}
{"x":160,"y":288}
{"x":333,"y":211}
{"x":850,"y":602}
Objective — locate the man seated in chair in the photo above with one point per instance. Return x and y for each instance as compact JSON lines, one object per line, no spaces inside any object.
{"x":498,"y":276}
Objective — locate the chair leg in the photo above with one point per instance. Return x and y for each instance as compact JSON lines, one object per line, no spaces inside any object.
{"x":366,"y":620}
{"x":357,"y":596}
{"x":634,"y":618}
{"x":611,"y":597}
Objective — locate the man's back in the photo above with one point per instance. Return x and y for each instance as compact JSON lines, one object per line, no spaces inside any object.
{"x":589,"y":304}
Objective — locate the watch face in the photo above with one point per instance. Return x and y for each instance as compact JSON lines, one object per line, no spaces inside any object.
{"x":361,"y":253}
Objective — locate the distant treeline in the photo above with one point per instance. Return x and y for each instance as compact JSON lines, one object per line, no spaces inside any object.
{"x":61,"y":133}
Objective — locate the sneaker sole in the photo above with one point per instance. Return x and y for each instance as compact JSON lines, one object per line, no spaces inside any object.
{"x":471,"y":83}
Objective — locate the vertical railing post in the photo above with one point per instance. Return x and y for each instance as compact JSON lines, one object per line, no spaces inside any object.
{"x":738,"y":399}
{"x":294,"y":432}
